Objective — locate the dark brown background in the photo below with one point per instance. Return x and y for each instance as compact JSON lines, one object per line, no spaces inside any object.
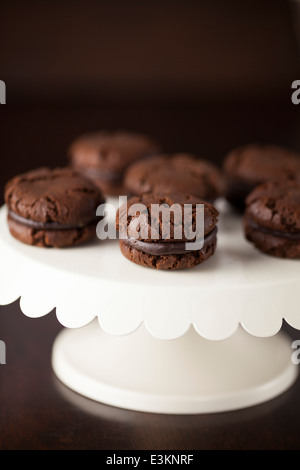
{"x":199,"y":76}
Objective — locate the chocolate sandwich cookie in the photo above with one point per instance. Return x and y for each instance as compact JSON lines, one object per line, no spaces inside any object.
{"x":167,"y":242}
{"x":178,"y":172}
{"x":272,"y":218}
{"x":104,"y":156}
{"x":52,"y":208}
{"x":248,"y":166}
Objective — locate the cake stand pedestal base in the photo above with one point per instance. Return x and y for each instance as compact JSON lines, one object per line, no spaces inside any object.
{"x":187,"y":375}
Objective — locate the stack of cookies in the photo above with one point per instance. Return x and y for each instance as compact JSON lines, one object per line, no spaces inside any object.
{"x":154,"y":246}
{"x":52,"y":207}
{"x":263,"y":183}
{"x":57,"y":207}
{"x":104,"y":157}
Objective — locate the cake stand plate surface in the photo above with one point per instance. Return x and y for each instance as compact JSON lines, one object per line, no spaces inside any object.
{"x":197,"y":340}
{"x":238,"y":285}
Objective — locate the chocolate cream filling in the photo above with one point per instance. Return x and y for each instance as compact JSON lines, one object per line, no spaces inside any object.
{"x":167,"y":248}
{"x":275,"y":233}
{"x":48,"y":225}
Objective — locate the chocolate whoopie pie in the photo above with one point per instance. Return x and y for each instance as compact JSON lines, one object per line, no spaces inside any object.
{"x":272,"y":218}
{"x":104,"y":156}
{"x":52,"y":207}
{"x":250,"y":165}
{"x":156,"y":250}
{"x":178,"y":172}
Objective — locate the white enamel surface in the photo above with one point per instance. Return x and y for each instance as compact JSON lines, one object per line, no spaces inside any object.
{"x":187,"y":375}
{"x":238,"y":285}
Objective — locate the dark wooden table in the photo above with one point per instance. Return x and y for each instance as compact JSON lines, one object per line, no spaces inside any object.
{"x":36,"y":410}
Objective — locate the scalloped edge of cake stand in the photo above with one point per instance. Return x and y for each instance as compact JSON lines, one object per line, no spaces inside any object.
{"x":214,"y":309}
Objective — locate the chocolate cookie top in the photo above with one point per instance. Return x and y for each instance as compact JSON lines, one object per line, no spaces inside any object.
{"x":148,"y":207}
{"x":275,"y":206}
{"x":111,"y":151}
{"x":256,"y":164}
{"x":179,"y":172}
{"x":59,"y":195}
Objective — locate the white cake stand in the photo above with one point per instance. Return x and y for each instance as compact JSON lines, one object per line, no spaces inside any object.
{"x":195,"y":341}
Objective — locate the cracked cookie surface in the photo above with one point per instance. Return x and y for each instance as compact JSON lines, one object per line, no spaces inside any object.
{"x":247,"y":166}
{"x":272,"y":218}
{"x":151,"y":248}
{"x":104,"y":156}
{"x":52,"y":207}
{"x":178,"y":172}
